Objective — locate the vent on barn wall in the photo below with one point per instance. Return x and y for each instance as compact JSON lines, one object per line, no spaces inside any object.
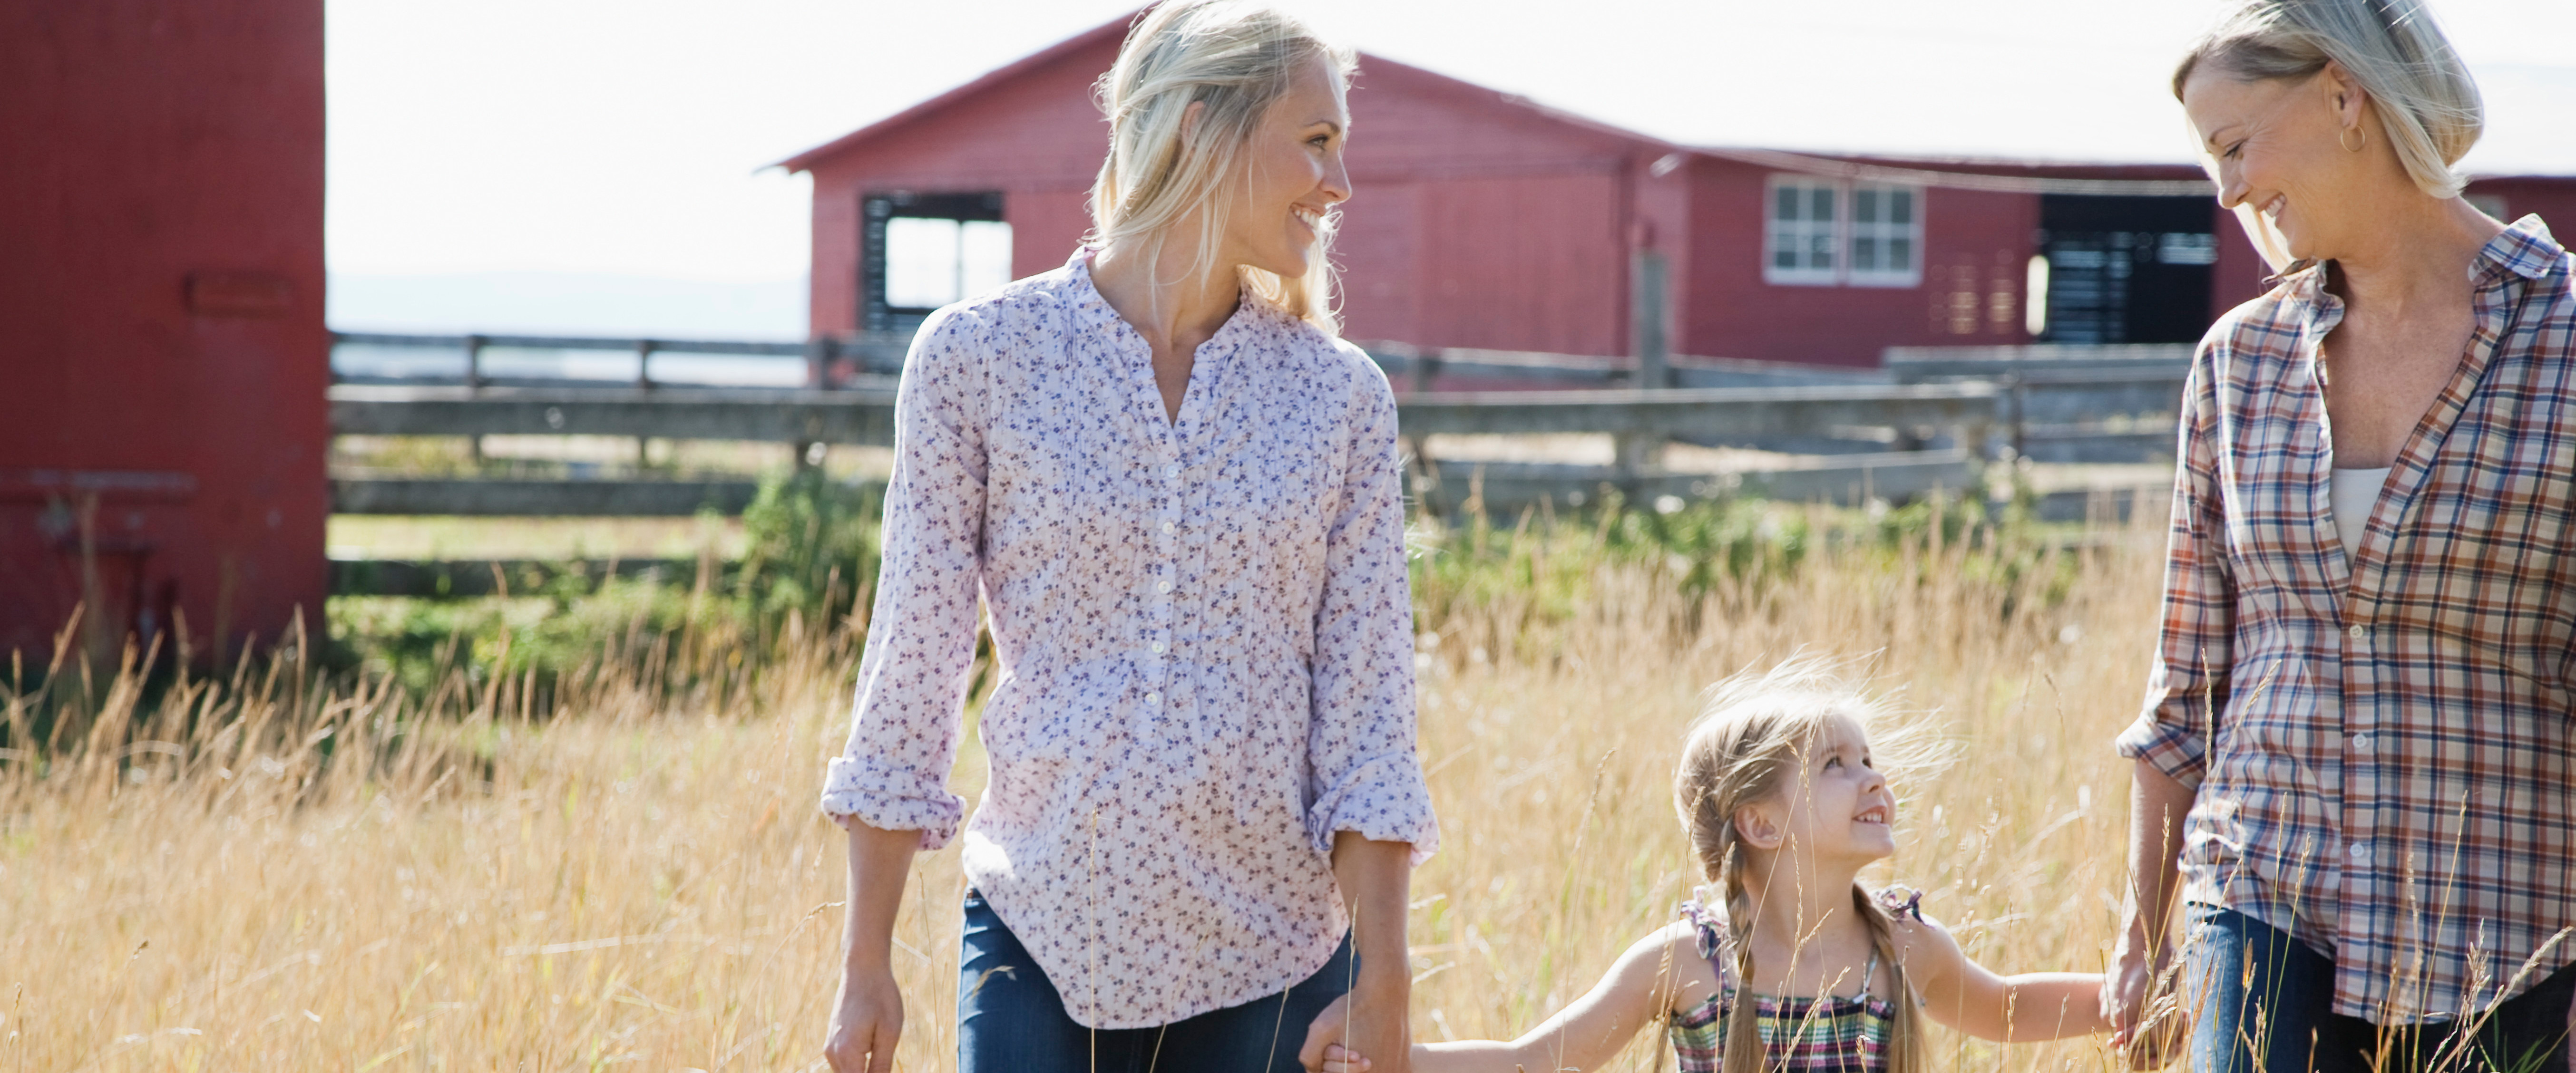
{"x":921,"y":251}
{"x":2125,"y":269}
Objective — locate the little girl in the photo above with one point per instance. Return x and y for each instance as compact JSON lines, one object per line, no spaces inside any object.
{"x":1784,"y":804}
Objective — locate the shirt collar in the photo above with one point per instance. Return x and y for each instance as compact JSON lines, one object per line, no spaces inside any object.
{"x":1092,"y":310}
{"x":2524,"y":248}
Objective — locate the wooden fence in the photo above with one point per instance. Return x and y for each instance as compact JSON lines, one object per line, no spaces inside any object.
{"x":1945,"y":409}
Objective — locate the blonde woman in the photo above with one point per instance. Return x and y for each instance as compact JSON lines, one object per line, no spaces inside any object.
{"x":2358,"y":755}
{"x":1177,"y":494}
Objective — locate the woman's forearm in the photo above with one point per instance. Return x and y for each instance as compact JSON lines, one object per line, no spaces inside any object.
{"x":880,"y":862}
{"x":2157,"y":805}
{"x":1375,"y":878}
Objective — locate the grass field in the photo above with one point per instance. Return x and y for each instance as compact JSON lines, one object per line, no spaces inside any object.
{"x":286,"y":869}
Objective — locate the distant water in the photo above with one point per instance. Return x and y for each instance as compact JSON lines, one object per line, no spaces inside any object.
{"x":566,"y":303}
{"x":561,"y":303}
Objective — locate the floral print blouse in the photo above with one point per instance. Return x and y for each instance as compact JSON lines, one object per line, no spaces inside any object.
{"x":1204,"y":636}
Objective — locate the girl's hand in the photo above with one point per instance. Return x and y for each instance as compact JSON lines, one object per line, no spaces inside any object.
{"x":1340,"y":1059}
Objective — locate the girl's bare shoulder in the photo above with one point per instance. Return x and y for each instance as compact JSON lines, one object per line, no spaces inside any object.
{"x":1667,"y":968}
{"x":1921,"y":939}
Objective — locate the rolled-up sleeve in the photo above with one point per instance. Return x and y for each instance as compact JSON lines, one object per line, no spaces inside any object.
{"x":893,"y":775}
{"x":1365,"y":768}
{"x":2187,"y":686}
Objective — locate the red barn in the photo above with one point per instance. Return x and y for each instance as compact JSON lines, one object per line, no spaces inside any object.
{"x":1484,"y":220}
{"x":165,"y":356}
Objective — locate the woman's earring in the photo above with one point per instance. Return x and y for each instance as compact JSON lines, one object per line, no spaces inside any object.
{"x":2348,"y":147}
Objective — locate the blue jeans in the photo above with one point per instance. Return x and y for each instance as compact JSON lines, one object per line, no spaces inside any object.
{"x":2266,"y":1005}
{"x":1010,"y":1019}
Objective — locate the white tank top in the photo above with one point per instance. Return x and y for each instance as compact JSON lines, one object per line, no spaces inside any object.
{"x":2355,"y":492}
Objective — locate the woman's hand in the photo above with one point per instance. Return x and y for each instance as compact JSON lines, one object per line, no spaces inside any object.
{"x":1340,"y":1059}
{"x":1324,"y":1051}
{"x":868,"y":1019}
{"x":866,"y":1023}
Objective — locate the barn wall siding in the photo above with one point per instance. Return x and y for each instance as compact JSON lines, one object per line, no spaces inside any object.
{"x":1976,"y":245}
{"x":1525,"y":263}
{"x":161,"y":258}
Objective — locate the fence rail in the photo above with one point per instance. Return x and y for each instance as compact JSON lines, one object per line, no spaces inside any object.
{"x":2054,"y":403}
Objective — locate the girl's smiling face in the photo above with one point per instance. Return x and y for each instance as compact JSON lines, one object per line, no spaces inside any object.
{"x":1836,"y":808}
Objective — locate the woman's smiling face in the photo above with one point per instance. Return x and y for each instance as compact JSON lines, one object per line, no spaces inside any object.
{"x":1292,"y":175}
{"x":2276,"y":147}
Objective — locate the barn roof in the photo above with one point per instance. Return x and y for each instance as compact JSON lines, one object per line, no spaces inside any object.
{"x":1971,"y":173}
{"x":1109,"y":34}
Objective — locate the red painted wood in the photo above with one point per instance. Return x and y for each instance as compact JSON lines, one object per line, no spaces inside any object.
{"x":162,"y":280}
{"x":1481,"y":220}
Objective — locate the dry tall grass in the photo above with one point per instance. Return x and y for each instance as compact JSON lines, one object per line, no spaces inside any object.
{"x":265,"y":874}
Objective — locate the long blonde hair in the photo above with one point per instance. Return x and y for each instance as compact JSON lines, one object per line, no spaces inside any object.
{"x":1237,"y":58}
{"x":1751,"y":738}
{"x":2428,"y":105}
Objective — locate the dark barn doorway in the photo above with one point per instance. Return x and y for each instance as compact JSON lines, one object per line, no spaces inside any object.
{"x":2127,"y":269}
{"x":921,"y":251}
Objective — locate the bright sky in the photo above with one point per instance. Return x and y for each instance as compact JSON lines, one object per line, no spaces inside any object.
{"x":629,"y":136}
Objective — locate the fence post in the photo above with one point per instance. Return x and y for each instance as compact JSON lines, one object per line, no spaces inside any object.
{"x":1653,"y":345}
{"x":474,"y":362}
{"x":1641,"y":452}
{"x":644,"y":380}
{"x":818,"y":358}
{"x":2018,"y":396}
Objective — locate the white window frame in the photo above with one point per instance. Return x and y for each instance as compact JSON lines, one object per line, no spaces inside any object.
{"x":1841,"y":232}
{"x":1881,"y":231}
{"x":1804,"y":231}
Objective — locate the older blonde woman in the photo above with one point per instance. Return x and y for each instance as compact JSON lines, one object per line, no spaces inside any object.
{"x":2358,"y":755}
{"x":1177,"y":493}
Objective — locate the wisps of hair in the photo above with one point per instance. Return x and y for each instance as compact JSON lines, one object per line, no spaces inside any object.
{"x":1751,"y":736}
{"x":2427,"y":103}
{"x":1236,"y":58}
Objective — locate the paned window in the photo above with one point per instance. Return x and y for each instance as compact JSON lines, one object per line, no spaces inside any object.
{"x":1886,"y":235}
{"x":1824,"y":232}
{"x":1806,"y":239}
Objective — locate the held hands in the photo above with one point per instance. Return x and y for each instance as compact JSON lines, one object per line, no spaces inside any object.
{"x":1340,"y":1059}
{"x":2148,"y":1022}
{"x":1323,"y":1050}
{"x":1336,"y":1045}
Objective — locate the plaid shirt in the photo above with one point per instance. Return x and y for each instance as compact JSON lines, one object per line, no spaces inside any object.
{"x":2383,"y":739}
